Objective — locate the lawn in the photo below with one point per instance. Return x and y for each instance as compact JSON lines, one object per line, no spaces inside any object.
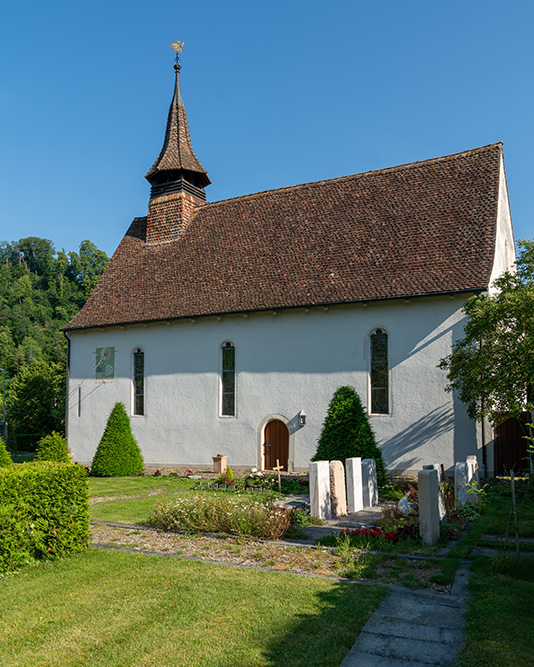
{"x":103,"y":608}
{"x":501,"y":613}
{"x":131,"y":486}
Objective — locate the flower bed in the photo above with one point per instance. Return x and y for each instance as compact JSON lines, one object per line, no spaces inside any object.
{"x":226,"y":514}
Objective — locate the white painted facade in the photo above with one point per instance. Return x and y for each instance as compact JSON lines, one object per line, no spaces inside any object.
{"x":285,"y":363}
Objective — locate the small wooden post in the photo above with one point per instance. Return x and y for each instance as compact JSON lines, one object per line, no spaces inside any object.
{"x":278,"y":467}
{"x":514,"y":510}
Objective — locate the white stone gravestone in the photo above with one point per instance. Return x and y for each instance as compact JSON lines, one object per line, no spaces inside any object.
{"x":369,"y":483}
{"x":460,"y":483}
{"x":427,"y":481}
{"x":441,"y":496}
{"x":338,"y":496}
{"x":354,"y":484}
{"x":320,"y":489}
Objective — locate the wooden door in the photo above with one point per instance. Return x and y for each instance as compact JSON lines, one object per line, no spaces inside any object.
{"x":276,"y":444}
{"x":511,"y":449}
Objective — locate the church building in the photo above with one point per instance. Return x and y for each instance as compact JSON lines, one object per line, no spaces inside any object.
{"x":226,"y":327}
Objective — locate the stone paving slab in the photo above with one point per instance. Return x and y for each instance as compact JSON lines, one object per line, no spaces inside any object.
{"x":369,"y":660}
{"x":410,"y":628}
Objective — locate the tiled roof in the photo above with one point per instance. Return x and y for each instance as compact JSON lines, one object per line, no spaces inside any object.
{"x":177,"y":153}
{"x":421,"y":228}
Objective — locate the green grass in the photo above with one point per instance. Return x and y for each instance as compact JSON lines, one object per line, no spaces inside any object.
{"x":108,"y":609}
{"x":131,"y":486}
{"x":494,"y":521}
{"x":130,"y":511}
{"x":500,"y":615}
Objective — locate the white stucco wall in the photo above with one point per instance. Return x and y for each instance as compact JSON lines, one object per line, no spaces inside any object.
{"x":505,"y":256}
{"x":285,"y":363}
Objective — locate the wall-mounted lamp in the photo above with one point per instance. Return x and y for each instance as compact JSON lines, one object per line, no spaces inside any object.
{"x":302,"y":418}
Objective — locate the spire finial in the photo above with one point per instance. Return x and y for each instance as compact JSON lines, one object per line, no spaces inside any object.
{"x":177,"y":48}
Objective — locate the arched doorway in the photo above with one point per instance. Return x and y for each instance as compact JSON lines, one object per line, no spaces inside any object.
{"x":275,"y":444}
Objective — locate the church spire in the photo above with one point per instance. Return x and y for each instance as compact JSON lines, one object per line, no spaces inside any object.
{"x":177,"y":168}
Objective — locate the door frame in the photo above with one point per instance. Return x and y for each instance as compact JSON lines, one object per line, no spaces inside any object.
{"x":260,"y":439}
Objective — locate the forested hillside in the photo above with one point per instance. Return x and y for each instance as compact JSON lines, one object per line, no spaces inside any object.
{"x":41,"y":289}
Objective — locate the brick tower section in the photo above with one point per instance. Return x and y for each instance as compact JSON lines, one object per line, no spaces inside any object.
{"x":170,"y":215}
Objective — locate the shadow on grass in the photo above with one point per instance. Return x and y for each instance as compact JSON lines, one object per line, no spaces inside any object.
{"x":324,"y":638}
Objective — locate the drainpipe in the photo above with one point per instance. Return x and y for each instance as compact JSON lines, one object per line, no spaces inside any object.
{"x":67,"y":380}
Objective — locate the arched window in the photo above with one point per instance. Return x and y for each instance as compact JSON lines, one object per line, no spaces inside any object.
{"x":379,"y":373}
{"x":228,"y":380}
{"x":139,"y":382}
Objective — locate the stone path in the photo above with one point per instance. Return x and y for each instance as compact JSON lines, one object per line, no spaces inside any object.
{"x":413,"y":629}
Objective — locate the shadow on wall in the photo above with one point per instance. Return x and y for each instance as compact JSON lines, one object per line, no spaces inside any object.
{"x":465,"y":433}
{"x":428,"y":428}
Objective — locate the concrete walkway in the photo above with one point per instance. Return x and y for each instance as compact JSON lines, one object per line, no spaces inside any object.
{"x":413,"y":629}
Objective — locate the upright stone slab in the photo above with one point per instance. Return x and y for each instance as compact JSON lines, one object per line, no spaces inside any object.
{"x":338,"y":496}
{"x":460,"y":483}
{"x":320,"y":489}
{"x":369,"y":483}
{"x":428,"y":506}
{"x":353,"y":471}
{"x":472,"y":478}
{"x":441,"y":496}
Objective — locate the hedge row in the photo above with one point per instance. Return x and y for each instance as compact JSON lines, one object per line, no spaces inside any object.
{"x":44,"y":512}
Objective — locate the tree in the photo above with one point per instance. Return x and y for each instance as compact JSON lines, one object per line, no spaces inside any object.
{"x":36,"y":402}
{"x":117,"y":454}
{"x":492,"y":366}
{"x":347,"y":433}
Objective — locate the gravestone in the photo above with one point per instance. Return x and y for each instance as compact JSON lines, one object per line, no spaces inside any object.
{"x":338,"y":496}
{"x":460,"y":483}
{"x":441,"y":496}
{"x":369,"y":483}
{"x":427,"y":481}
{"x":354,"y":484}
{"x":473,"y":477}
{"x":320,"y":489}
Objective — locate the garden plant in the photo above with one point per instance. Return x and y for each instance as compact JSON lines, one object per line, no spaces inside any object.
{"x":53,"y":447}
{"x":118,"y":453}
{"x":347,"y":433}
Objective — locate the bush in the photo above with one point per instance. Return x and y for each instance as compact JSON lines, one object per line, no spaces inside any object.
{"x":117,"y":454}
{"x":53,"y":447}
{"x":5,"y":458}
{"x":347,"y":433}
{"x":215,"y":514}
{"x":44,"y":512}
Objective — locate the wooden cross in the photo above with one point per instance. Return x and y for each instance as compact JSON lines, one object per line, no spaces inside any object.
{"x":278,"y":467}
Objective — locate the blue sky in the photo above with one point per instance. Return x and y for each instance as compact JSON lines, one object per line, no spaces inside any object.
{"x":277,"y":93}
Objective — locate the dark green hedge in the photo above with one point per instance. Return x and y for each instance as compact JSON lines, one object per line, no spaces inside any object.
{"x":44,"y":512}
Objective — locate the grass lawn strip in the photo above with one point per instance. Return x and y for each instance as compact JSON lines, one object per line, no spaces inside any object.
{"x":170,"y":612}
{"x":500,"y":616}
{"x":436,"y":574}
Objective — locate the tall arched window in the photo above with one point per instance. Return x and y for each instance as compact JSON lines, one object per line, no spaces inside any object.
{"x":379,"y":373}
{"x":139,"y":382}
{"x":228,"y":380}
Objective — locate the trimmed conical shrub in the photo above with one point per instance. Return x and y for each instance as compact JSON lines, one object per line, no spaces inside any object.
{"x":53,"y":447}
{"x":118,"y":454}
{"x":5,"y":458}
{"x":347,"y":433}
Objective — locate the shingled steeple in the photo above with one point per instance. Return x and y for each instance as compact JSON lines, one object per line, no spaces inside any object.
{"x":177,"y":173}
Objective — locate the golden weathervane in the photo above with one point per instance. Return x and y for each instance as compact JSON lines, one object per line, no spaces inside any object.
{"x":177,"y":48}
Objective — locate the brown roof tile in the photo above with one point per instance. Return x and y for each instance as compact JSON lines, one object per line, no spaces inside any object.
{"x":422,"y":228}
